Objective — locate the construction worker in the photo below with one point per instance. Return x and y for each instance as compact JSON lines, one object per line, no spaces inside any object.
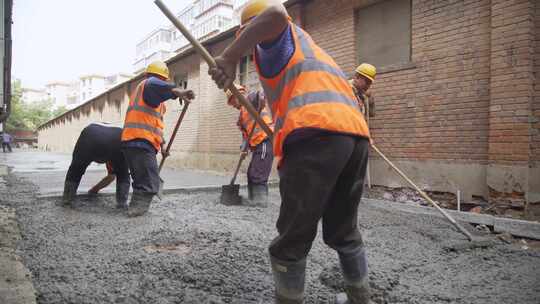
{"x":364,"y":75}
{"x":259,"y":144}
{"x":98,"y":143}
{"x":321,"y":138}
{"x":142,"y":136}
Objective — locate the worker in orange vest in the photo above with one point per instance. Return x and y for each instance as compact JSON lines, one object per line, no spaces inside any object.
{"x":321,"y":138}
{"x":259,"y":144}
{"x":142,"y":136}
{"x":364,"y":75}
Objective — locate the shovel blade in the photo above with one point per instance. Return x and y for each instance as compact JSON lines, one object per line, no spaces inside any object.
{"x":230,"y":195}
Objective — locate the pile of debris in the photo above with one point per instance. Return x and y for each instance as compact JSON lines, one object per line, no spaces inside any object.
{"x":510,"y":205}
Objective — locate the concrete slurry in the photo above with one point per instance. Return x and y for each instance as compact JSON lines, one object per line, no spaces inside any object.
{"x":189,"y":249}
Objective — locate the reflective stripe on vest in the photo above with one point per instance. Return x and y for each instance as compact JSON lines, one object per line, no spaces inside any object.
{"x":143,"y":121}
{"x":311,"y":92}
{"x":247,"y":123}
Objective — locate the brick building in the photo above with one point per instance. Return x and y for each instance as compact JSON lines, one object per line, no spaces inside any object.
{"x":457,"y":101}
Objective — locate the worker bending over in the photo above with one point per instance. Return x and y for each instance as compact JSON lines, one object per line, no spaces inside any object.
{"x":98,"y":143}
{"x":259,"y":144}
{"x":142,"y":136}
{"x":322,"y":141}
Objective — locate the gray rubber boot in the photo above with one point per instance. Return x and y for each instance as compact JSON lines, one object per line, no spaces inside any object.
{"x":289,"y":279}
{"x":258,"y":195}
{"x":70,"y":191}
{"x":122,"y":193}
{"x":355,"y":274}
{"x":140,"y":203}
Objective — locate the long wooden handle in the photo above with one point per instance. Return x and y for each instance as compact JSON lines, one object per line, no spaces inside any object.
{"x":424,"y":195}
{"x":169,"y":144}
{"x":212,"y":64}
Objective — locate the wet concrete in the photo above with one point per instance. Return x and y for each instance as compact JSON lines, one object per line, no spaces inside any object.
{"x":48,"y":170}
{"x":189,"y":249}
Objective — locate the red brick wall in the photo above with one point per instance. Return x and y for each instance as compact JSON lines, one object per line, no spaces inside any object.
{"x":439,"y":108}
{"x":535,"y":130}
{"x":512,"y":79}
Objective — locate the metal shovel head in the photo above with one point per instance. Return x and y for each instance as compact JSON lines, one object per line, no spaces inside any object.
{"x":230,"y":195}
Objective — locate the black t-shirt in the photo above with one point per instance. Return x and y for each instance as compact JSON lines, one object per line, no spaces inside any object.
{"x":101,"y":144}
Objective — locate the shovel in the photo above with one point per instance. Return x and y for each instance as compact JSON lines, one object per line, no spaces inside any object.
{"x":169,"y":144}
{"x":230,"y":193}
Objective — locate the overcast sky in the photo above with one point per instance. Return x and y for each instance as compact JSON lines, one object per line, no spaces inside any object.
{"x":59,"y":40}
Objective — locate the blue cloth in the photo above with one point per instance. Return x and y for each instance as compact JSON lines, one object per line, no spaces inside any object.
{"x":157,"y":91}
{"x":139,"y":143}
{"x":274,"y":56}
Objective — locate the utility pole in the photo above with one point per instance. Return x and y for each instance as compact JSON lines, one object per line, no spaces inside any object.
{"x":5,"y":51}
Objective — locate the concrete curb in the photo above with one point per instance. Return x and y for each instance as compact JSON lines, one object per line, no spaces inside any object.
{"x":520,"y":228}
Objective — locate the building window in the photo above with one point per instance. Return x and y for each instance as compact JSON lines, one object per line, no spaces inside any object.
{"x":181,"y":81}
{"x":384,"y":33}
{"x":243,"y":70}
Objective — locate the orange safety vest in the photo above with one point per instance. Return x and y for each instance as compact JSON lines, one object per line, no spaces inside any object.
{"x":246,"y":123}
{"x":310,"y":92}
{"x":142,"y":121}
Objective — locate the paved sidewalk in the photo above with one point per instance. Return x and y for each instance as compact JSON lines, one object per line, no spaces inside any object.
{"x":47,"y":170}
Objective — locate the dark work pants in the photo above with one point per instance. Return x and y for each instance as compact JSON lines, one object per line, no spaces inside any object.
{"x":261,"y":163}
{"x":143,"y":168}
{"x":4,"y":145}
{"x":320,"y":177}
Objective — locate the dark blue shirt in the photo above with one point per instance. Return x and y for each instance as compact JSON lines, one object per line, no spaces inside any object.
{"x":157,"y":91}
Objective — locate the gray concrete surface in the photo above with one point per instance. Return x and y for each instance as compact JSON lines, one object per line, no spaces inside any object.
{"x":48,"y":170}
{"x":15,"y":283}
{"x":189,"y":249}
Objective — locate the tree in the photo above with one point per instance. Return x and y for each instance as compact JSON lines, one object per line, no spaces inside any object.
{"x":27,"y":116}
{"x":59,"y":111}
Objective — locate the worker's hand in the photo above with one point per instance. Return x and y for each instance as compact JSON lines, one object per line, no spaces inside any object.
{"x":165,"y":154}
{"x":185,"y":95}
{"x":243,"y":154}
{"x":225,"y":72}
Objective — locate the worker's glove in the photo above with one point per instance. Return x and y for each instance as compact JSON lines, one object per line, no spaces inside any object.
{"x":165,"y":154}
{"x":224,"y":73}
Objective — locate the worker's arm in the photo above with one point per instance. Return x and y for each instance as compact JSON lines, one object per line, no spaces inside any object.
{"x":266,"y":27}
{"x":107,"y":180}
{"x":157,"y":91}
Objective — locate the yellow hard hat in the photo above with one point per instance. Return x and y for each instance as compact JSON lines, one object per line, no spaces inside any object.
{"x":159,"y":68}
{"x":254,"y":8}
{"x":367,"y":70}
{"x":230,"y":95}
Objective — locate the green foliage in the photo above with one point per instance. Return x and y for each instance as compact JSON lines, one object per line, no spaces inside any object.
{"x":59,"y":111}
{"x":26,"y":116}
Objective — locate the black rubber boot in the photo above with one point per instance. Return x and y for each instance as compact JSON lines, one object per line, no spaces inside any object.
{"x":122,"y":193}
{"x":258,"y":195}
{"x":355,"y":273}
{"x":289,"y":279}
{"x":140,"y":203}
{"x":70,"y":191}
